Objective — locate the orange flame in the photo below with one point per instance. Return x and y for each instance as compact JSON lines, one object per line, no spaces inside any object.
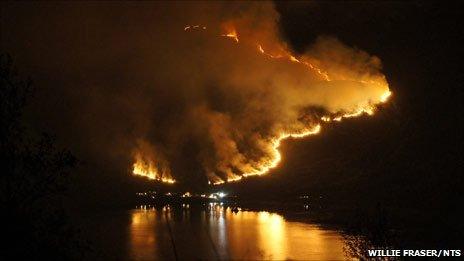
{"x":276,"y":157}
{"x":142,"y":168}
{"x":150,"y":171}
{"x":232,"y":35}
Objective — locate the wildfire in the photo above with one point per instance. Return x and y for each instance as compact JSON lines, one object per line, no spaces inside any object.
{"x":286,"y":54}
{"x":275,"y":143}
{"x":150,"y":171}
{"x":232,"y":34}
{"x":276,"y":157}
{"x":265,"y":164}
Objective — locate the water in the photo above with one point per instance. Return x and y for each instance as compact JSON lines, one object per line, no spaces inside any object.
{"x":214,"y":232}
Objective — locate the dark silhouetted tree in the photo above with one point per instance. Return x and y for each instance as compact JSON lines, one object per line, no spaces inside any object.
{"x":33,"y":176}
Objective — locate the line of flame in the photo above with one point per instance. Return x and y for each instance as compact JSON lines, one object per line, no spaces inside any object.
{"x":276,"y":157}
{"x":233,"y":35}
{"x":150,"y":172}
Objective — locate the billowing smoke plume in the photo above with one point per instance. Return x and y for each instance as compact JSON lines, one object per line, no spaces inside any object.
{"x":236,"y":90}
{"x":186,"y":91}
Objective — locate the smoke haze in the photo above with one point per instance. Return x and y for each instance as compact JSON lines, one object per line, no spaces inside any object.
{"x":192,"y":91}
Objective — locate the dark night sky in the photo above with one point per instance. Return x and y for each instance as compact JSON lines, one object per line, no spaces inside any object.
{"x":415,"y":139}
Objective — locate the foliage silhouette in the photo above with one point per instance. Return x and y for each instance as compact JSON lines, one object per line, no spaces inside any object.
{"x":34,"y":177}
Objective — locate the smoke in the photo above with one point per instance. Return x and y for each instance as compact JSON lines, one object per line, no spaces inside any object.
{"x":205,"y":91}
{"x":238,"y":91}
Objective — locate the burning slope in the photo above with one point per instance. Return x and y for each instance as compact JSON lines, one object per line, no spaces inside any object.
{"x":150,"y":164}
{"x":269,"y":95}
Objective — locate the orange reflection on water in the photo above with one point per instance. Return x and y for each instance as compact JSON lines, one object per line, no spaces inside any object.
{"x":142,"y":234}
{"x":272,"y":230}
{"x":218,"y":233}
{"x":264,"y":235}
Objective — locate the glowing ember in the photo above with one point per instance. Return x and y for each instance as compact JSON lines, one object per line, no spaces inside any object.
{"x":232,"y":34}
{"x":292,"y":58}
{"x":193,"y":27}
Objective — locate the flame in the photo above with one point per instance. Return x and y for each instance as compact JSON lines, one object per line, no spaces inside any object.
{"x":232,"y":34}
{"x":149,"y":170}
{"x":385,"y":96}
{"x":368,"y":109}
{"x":323,"y":74}
{"x":326,"y":119}
{"x":276,"y":156}
{"x":287,"y":55}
